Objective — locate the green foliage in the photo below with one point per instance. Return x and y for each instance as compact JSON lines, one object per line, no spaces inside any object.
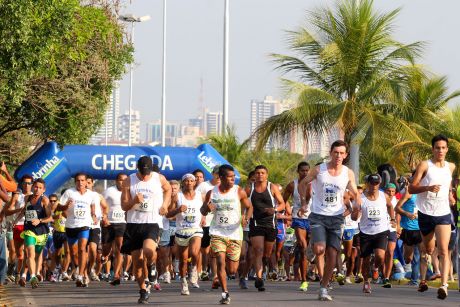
{"x":58,"y":62}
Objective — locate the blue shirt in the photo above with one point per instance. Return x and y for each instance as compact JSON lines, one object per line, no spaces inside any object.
{"x":409,"y":206}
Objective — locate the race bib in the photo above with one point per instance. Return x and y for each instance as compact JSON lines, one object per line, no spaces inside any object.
{"x":189,"y":219}
{"x":374,"y":213}
{"x":31,"y":215}
{"x":118,"y":215}
{"x":330,"y":196}
{"x":145,"y":207}
{"x":226,"y":218}
{"x":79,"y":213}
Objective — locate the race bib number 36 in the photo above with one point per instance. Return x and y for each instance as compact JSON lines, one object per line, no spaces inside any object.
{"x":145,"y":207}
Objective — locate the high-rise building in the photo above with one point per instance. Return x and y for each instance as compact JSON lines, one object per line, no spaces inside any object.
{"x":153,"y":133}
{"x":109,"y":130}
{"x":261,"y":110}
{"x":123,"y":127}
{"x":213,"y":123}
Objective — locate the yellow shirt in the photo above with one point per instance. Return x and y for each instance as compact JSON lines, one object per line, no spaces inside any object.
{"x":59,"y":223}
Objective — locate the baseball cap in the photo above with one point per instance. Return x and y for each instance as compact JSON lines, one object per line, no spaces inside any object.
{"x":144,"y":165}
{"x":215,"y":169}
{"x":373,"y":179}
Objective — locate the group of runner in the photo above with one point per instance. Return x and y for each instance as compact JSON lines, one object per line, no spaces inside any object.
{"x":149,"y":229}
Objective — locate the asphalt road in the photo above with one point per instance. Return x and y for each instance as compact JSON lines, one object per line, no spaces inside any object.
{"x":283,"y":294}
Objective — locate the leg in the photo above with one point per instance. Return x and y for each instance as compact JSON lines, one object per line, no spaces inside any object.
{"x":183,"y":257}
{"x":331,"y":257}
{"x":117,"y":257}
{"x":258,"y":249}
{"x":389,"y":259}
{"x":443,"y":233}
{"x":82,"y":257}
{"x":302,"y":240}
{"x":138,"y":267}
{"x":428,"y":249}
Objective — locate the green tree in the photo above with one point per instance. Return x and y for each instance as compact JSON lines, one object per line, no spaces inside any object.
{"x":347,"y":71}
{"x":58,"y":63}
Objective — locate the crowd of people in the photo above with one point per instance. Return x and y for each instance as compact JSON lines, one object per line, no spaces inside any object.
{"x":321,"y":227}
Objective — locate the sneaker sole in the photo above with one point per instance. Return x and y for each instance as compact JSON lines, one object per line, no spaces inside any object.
{"x":442,"y":294}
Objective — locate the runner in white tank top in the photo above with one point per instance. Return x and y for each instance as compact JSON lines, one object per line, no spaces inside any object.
{"x":390,"y":190}
{"x":227,"y":201}
{"x":329,"y":182}
{"x":112,"y":233}
{"x":188,"y":230}
{"x":79,"y":206}
{"x":374,"y":226}
{"x":145,"y":197}
{"x":432,"y":183}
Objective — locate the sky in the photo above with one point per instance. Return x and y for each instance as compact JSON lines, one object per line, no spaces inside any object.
{"x":194,"y":51}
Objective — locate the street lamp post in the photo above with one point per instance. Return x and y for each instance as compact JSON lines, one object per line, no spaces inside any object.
{"x":132,"y":19}
{"x":226,"y":43}
{"x":163,"y":93}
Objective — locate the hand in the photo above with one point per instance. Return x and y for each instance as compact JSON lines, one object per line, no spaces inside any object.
{"x":434,"y":188}
{"x":244,"y":222}
{"x":105,"y":221}
{"x":35,"y":222}
{"x":95,"y":221}
{"x":270,"y":211}
{"x":70,"y":202}
{"x":163,"y":210}
{"x":302,"y":211}
{"x":139,"y":198}
{"x":212,"y":207}
{"x":411,"y":216}
{"x":182,"y":208}
{"x":203,"y":221}
{"x":393,"y":224}
{"x":3,"y":167}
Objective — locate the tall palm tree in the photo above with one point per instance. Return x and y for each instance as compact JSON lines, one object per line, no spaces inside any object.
{"x":347,"y":72}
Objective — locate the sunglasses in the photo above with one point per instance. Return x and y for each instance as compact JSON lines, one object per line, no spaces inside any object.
{"x":28,"y":183}
{"x":53,"y":200}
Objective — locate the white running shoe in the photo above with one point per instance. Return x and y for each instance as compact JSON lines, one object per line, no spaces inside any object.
{"x":184,"y":285}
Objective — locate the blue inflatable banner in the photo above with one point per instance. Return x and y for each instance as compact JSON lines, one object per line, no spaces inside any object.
{"x":56,"y":166}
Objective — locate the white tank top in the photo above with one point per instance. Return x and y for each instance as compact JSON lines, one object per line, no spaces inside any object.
{"x":148,"y":211}
{"x":227,"y":218}
{"x":394,"y":201}
{"x":374,"y":215}
{"x":20,"y":204}
{"x":435,"y":204}
{"x":191,"y":218}
{"x":113,"y":198}
{"x":79,"y":214}
{"x":296,"y":203}
{"x":328,"y":191}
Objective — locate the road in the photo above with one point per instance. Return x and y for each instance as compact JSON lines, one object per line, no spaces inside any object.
{"x":282,"y":294}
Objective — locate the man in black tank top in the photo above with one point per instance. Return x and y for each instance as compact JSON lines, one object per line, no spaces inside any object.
{"x":262,"y":228}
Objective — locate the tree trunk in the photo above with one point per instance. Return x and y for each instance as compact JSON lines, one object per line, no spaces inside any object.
{"x":354,"y":160}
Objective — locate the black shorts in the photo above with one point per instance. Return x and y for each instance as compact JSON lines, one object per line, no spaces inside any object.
{"x":59,"y":238}
{"x":112,"y":231}
{"x":411,"y":237}
{"x":206,"y":239}
{"x":246,"y":236}
{"x":371,"y":242}
{"x":269,"y":234}
{"x":392,"y":236}
{"x":427,"y":223}
{"x":356,"y":241}
{"x":95,"y":236}
{"x":135,"y":234}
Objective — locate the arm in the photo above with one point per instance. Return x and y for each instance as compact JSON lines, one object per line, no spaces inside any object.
{"x":166,"y":195}
{"x":420,"y":172}
{"x":127,"y":202}
{"x":3,"y":192}
{"x":352,"y":189}
{"x":390,"y":211}
{"x":12,"y":204}
{"x":287,"y":193}
{"x":400,"y":210}
{"x":46,"y":205}
{"x":277,"y":195}
{"x":246,"y":207}
{"x":7,"y":174}
{"x":207,"y":205}
{"x":304,"y":185}
{"x":174,"y":209}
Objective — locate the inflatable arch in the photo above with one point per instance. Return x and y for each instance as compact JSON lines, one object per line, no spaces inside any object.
{"x":56,"y":166}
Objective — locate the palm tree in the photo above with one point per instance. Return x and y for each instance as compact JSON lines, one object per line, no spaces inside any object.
{"x":229,"y":146}
{"x":349,"y":71}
